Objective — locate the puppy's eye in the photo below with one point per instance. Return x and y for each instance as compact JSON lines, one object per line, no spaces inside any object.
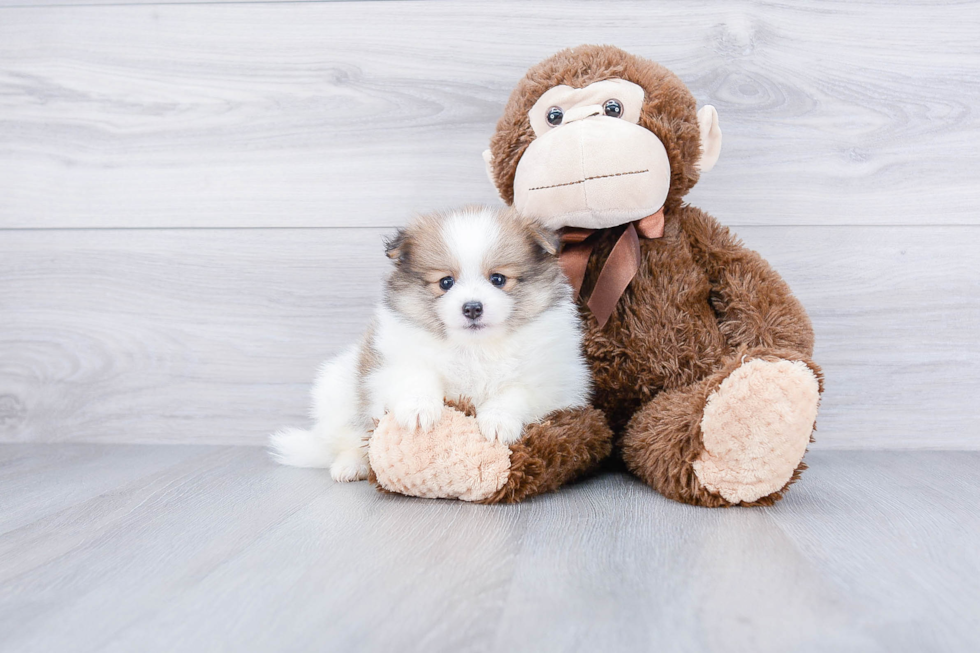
{"x":498,"y":279}
{"x":555,"y":114}
{"x":613,"y":108}
{"x":446,"y":283}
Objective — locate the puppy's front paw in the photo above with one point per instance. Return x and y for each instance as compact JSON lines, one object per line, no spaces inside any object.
{"x":499,"y":425}
{"x":417,"y":412}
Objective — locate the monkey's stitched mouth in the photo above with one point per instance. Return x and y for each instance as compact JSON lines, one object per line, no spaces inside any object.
{"x":582,"y":181}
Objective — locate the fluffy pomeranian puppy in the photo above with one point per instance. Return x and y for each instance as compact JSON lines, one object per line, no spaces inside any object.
{"x":477,"y":307}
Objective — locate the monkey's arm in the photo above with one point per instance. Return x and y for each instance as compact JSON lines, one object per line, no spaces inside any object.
{"x":755,"y":307}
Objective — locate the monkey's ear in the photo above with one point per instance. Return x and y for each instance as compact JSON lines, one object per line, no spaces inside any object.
{"x":488,"y":160}
{"x":396,"y":247}
{"x":710,"y":138}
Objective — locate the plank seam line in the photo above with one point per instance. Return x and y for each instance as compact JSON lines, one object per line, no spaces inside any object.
{"x":376,"y":227}
{"x":55,"y":5}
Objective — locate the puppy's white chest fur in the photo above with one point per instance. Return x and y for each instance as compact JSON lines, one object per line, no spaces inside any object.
{"x":475,"y":369}
{"x":479,"y":371}
{"x":513,"y":379}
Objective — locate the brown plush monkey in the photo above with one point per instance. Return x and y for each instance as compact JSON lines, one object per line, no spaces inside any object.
{"x":701,"y":354}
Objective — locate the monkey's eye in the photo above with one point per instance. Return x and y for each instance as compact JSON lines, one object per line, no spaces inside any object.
{"x":498,"y":279}
{"x":614,"y":108}
{"x":555,"y":114}
{"x":446,"y":283}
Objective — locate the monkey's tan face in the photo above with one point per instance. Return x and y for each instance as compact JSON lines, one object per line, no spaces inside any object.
{"x":591,"y":164}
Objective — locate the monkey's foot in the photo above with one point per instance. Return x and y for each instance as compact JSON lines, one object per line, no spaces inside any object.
{"x":453,"y":460}
{"x":756,"y":427}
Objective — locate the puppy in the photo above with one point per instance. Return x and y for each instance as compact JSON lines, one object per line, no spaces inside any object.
{"x":475,"y":307}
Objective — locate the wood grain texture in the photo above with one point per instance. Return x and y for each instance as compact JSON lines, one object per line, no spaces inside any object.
{"x":45,"y":479}
{"x":213,"y":336}
{"x":223,"y":550}
{"x":175,"y":336}
{"x":341,"y":114}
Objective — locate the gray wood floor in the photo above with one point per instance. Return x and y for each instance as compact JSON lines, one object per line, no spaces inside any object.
{"x":207,"y":548}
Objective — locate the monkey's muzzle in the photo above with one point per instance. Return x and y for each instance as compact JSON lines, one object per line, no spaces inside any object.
{"x":593,"y":173}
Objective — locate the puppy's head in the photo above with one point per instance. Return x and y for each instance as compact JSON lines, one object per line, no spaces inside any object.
{"x":473,"y":272}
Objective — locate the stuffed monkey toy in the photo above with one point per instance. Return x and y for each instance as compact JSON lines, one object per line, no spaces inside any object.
{"x":701,"y":354}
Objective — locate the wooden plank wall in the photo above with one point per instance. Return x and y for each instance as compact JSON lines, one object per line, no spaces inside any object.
{"x":192,"y":196}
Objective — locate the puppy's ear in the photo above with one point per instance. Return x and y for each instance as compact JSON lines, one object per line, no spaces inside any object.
{"x":545,"y":238}
{"x":396,"y":247}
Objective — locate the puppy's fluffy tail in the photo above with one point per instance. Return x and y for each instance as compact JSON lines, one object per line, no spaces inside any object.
{"x":301,"y":448}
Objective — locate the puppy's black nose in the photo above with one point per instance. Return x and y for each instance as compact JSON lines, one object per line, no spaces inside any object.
{"x":472,"y":310}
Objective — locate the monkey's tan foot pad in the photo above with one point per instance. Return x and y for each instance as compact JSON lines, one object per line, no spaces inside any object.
{"x":756,"y":427}
{"x":452,"y":461}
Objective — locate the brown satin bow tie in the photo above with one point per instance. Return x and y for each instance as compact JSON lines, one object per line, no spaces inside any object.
{"x":618,"y":270}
